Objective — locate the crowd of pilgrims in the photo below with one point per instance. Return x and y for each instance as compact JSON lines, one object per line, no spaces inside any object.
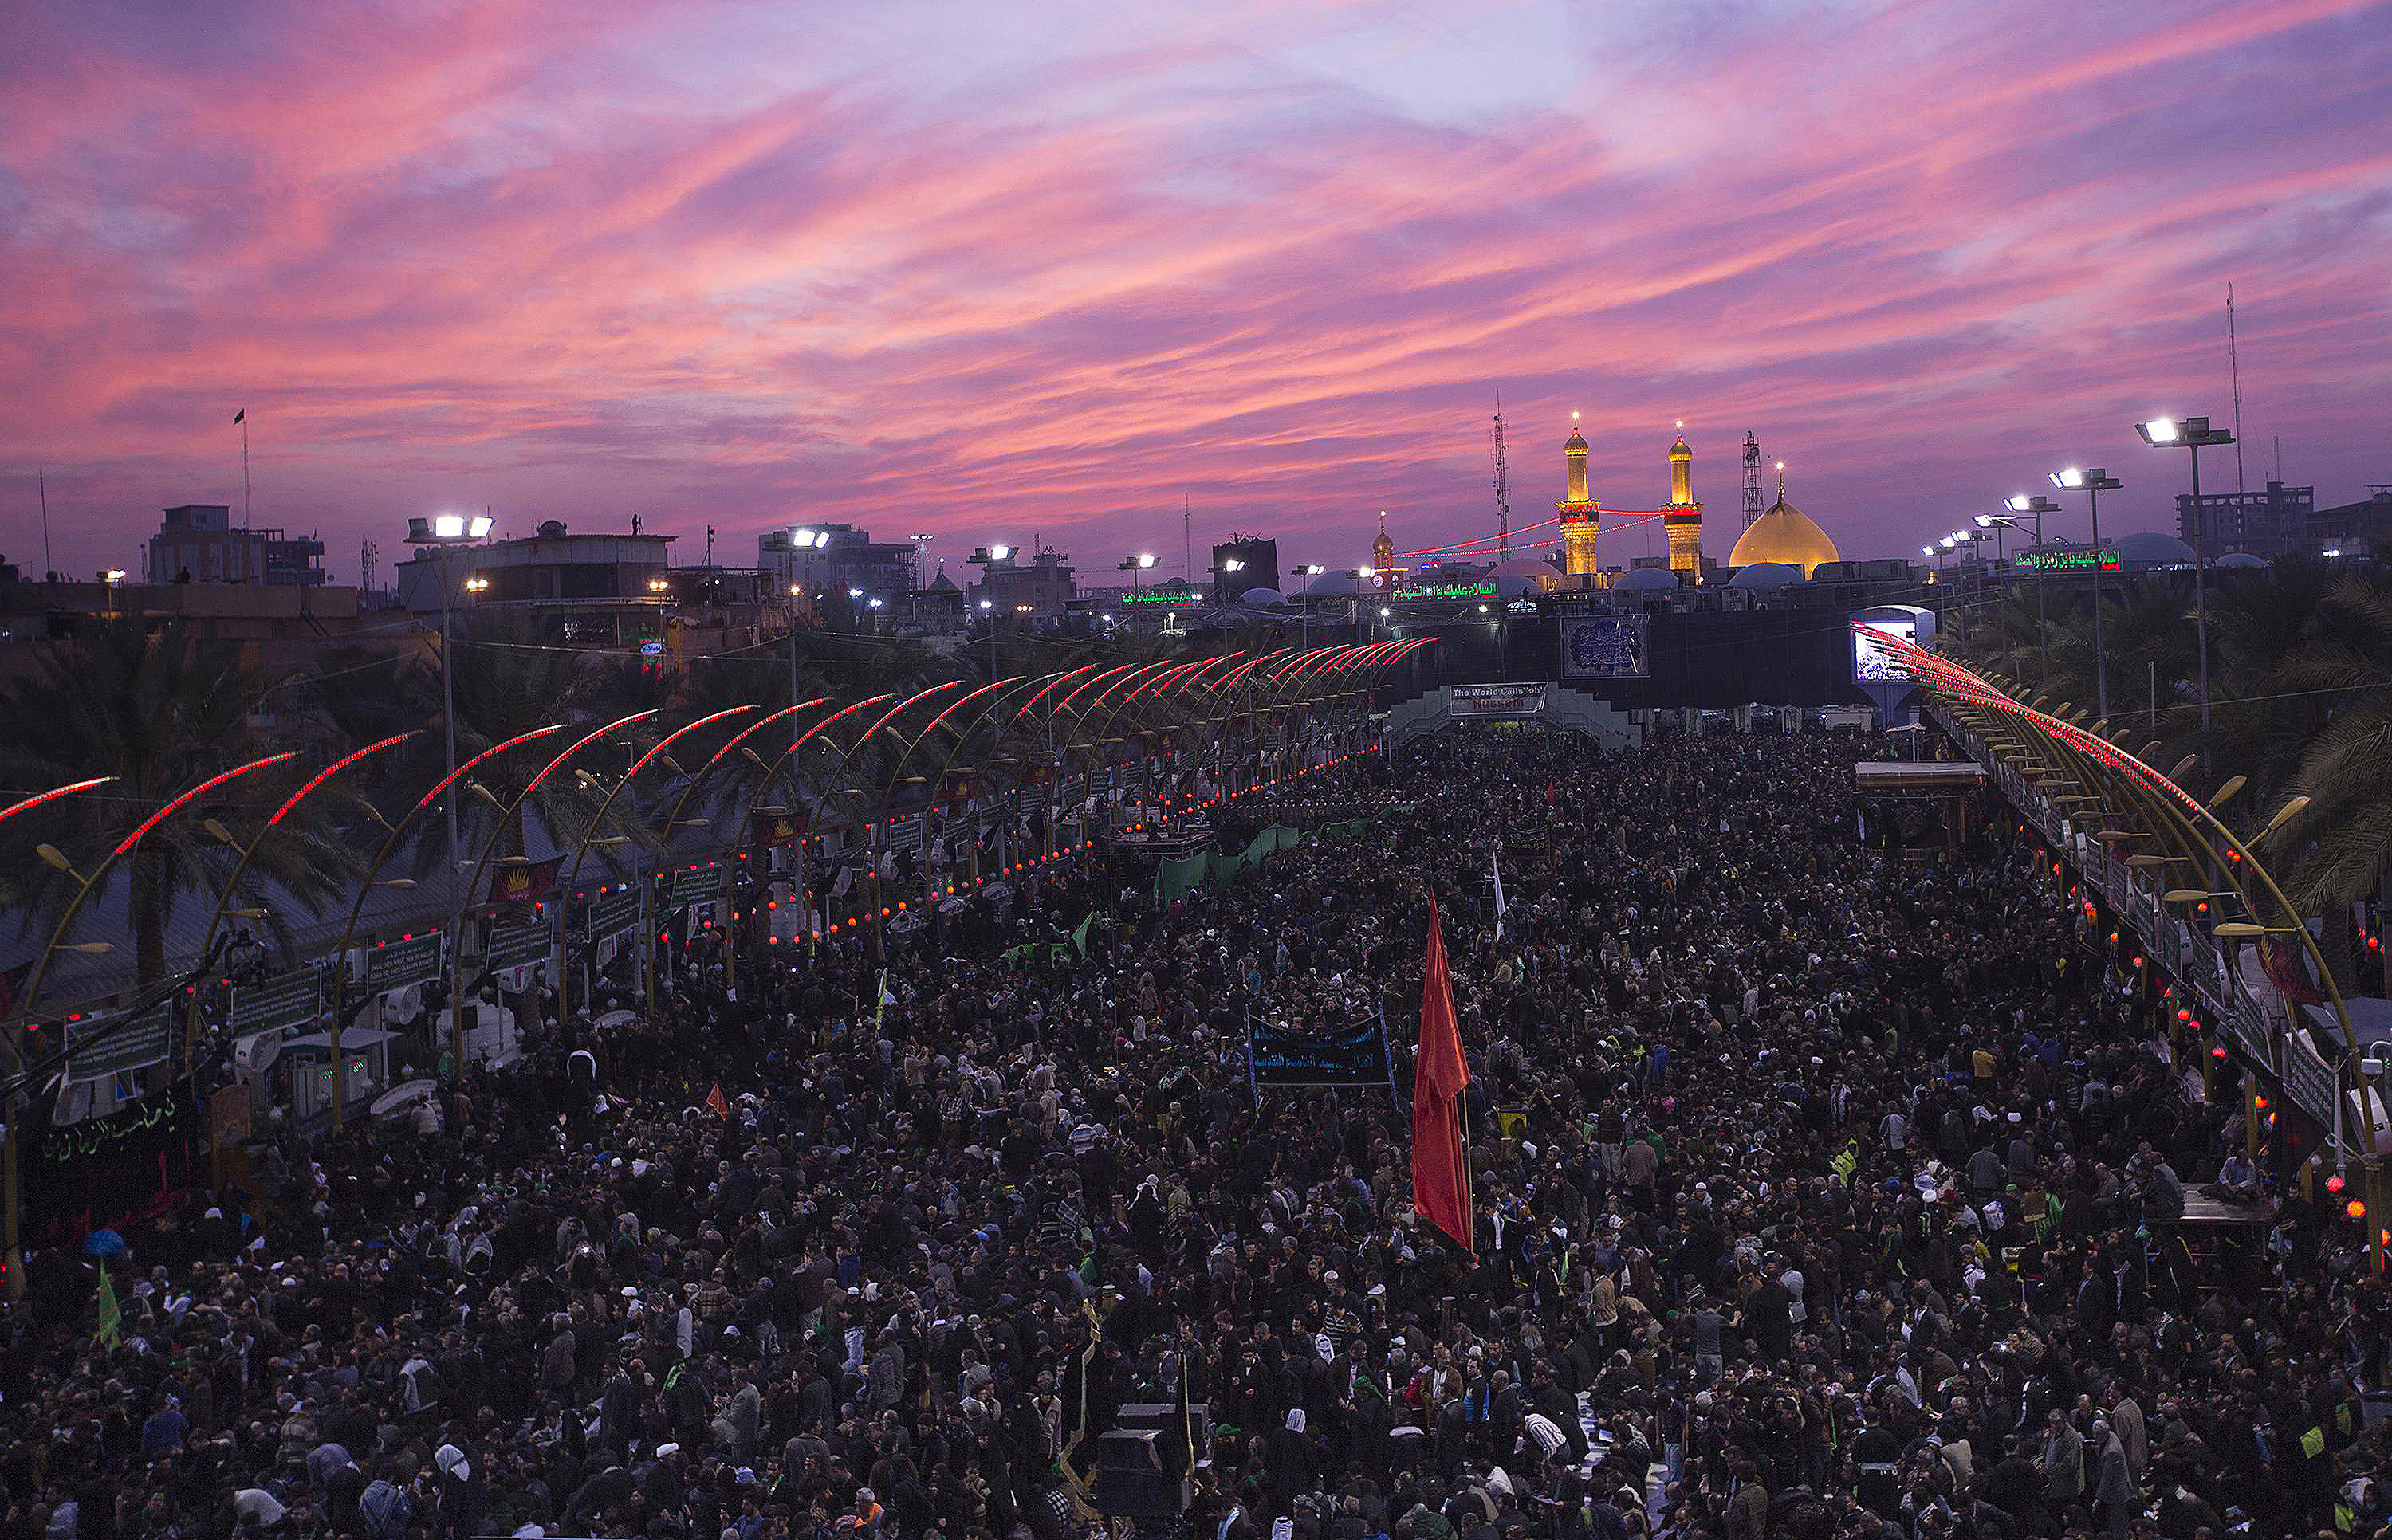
{"x":1819,"y":1193}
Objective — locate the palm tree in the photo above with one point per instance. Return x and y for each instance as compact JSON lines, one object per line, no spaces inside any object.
{"x":2345,"y":660}
{"x":2261,"y":725}
{"x":506,"y":683}
{"x":161,"y":713}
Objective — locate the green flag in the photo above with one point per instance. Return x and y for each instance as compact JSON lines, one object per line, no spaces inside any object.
{"x":111,"y":1317}
{"x":1080,"y":937}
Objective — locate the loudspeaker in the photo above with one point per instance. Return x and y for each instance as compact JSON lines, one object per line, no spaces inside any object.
{"x":1130,"y":1479}
{"x":1163,"y":1416}
{"x":1143,"y":1464}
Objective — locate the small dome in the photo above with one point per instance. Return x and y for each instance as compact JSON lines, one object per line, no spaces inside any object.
{"x":2240,"y":561}
{"x":1679,"y":449}
{"x":1334,"y":584}
{"x":1576,"y":441}
{"x":1264,"y":598}
{"x":1542,"y":575}
{"x":1648,"y":580}
{"x":2149,"y":547}
{"x":1765,"y":575}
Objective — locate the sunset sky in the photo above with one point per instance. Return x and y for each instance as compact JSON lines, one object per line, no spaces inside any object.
{"x":988,"y":271}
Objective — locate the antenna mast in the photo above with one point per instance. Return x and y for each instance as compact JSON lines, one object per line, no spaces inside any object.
{"x":2234,"y":368}
{"x":1503,"y":490}
{"x":1751,"y":478}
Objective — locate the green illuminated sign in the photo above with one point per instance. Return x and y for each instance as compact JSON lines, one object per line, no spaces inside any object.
{"x":1445,"y":590}
{"x":2104,"y":558}
{"x":397,"y":965}
{"x":1176,"y":598}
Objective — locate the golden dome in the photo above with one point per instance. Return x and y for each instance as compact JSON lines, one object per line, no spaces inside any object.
{"x":1576,"y":442}
{"x":1784,"y":534}
{"x":1679,"y":449}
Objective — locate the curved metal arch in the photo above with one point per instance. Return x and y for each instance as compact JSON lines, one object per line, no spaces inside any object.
{"x":889,"y":789}
{"x":41,"y":970}
{"x":831,"y":785}
{"x":1097,"y":703}
{"x":797,"y":785}
{"x":581,"y":846}
{"x":481,"y":863}
{"x":1145,"y":690}
{"x":992,"y":690}
{"x":367,"y":884}
{"x":1147,"y":704}
{"x":1005,"y":728}
{"x":796,"y":774}
{"x":52,"y":795}
{"x":2194,"y":823}
{"x":224,"y":899}
{"x":864,"y":737}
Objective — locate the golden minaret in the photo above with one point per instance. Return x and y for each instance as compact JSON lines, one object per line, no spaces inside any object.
{"x":1684,"y":518}
{"x":1581,"y":516}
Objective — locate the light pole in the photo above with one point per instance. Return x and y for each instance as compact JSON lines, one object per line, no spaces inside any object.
{"x":449,"y":531}
{"x":2093,"y":484}
{"x":1135,"y":565}
{"x":988,"y":613}
{"x":2022,"y":506}
{"x":2196,"y":435}
{"x":1960,"y":540}
{"x":1307,"y":571}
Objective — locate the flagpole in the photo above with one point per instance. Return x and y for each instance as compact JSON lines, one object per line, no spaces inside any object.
{"x":48,"y":566}
{"x":244,"y":469}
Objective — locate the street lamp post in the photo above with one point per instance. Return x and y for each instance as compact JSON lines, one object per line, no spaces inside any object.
{"x":1135,"y":565}
{"x":2196,"y":434}
{"x":1307,"y":571}
{"x":2036,"y":507}
{"x":2093,"y":484}
{"x":449,"y":531}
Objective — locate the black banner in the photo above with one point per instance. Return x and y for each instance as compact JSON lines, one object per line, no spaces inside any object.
{"x":1355,"y":1054}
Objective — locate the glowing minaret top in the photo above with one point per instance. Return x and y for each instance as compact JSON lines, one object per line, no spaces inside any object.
{"x":1683,"y":520}
{"x":1581,"y":518}
{"x":1383,"y":549}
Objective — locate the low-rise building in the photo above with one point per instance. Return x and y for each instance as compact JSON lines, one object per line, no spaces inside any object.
{"x":197,"y":544}
{"x":582,"y":591}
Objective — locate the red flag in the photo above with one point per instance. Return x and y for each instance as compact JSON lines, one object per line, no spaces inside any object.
{"x":527,"y":884}
{"x":2283,"y":966}
{"x":1549,"y":787}
{"x":1440,"y":1156}
{"x":714,"y":1099}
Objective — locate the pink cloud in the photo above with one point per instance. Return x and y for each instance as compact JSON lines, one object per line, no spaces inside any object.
{"x":949,"y":274}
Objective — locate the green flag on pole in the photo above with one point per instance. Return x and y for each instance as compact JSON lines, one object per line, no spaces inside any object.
{"x":111,"y":1317}
{"x":1080,"y":937}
